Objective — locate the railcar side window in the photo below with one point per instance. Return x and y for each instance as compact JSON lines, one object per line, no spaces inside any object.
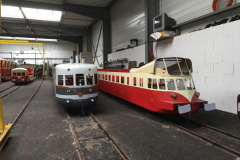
{"x":122,"y":79}
{"x":69,"y":80}
{"x":60,"y":80}
{"x":103,"y":76}
{"x":106,"y":77}
{"x":161,"y":84}
{"x":155,"y":84}
{"x":113,"y":78}
{"x":134,"y":81}
{"x":170,"y":84}
{"x":180,"y":84}
{"x":149,"y":82}
{"x":80,"y":80}
{"x":141,"y":82}
{"x":127,"y":80}
{"x":95,"y":78}
{"x":98,"y":76}
{"x":189,"y":84}
{"x":89,"y":79}
{"x":109,"y":77}
{"x":117,"y":79}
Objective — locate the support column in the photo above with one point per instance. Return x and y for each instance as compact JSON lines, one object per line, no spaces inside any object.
{"x":106,"y":36}
{"x":80,"y":45}
{"x":151,"y":10}
{"x":89,"y":39}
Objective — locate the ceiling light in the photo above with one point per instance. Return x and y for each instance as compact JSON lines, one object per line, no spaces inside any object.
{"x":40,"y":14}
{"x":5,"y":37}
{"x":49,"y":40}
{"x":11,"y":12}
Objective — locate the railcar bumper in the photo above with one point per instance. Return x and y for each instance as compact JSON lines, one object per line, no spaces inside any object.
{"x":70,"y":103}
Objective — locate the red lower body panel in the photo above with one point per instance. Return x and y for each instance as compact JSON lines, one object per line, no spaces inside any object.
{"x":156,"y":101}
{"x":23,"y":79}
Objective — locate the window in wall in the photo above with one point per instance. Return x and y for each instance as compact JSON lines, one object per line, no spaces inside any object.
{"x":155,"y":84}
{"x":122,"y":79}
{"x":117,"y":79}
{"x":113,"y":78}
{"x":134,"y":81}
{"x":127,"y":80}
{"x":95,"y":79}
{"x":180,"y":84}
{"x":80,"y":81}
{"x":161,"y":83}
{"x":149,"y":82}
{"x":60,"y":80}
{"x":141,"y":82}
{"x":89,"y":78}
{"x":109,"y":77}
{"x":69,"y":80}
{"x":170,"y":84}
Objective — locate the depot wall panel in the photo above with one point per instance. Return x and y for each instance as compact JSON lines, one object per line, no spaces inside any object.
{"x":95,"y":36}
{"x":185,"y":10}
{"x":84,"y":43}
{"x":216,"y":67}
{"x":127,"y":22}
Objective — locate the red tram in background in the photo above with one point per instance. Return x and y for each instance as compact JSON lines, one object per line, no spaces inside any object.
{"x":164,"y":86}
{"x":5,"y":68}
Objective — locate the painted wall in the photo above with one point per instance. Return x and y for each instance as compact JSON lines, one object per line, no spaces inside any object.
{"x":84,"y":40}
{"x":55,"y":52}
{"x":215,"y":54}
{"x":95,"y":36}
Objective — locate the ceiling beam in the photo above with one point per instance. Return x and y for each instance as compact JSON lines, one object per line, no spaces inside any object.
{"x":65,"y":38}
{"x":111,"y":3}
{"x":82,"y":31}
{"x":94,"y":12}
{"x":20,"y":8}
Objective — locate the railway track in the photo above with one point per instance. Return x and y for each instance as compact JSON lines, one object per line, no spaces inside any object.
{"x":24,"y":107}
{"x":222,"y":140}
{"x":78,"y":146}
{"x":9,"y":91}
{"x":6,"y":88}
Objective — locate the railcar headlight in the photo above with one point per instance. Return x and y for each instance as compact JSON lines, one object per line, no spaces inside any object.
{"x":68,"y":91}
{"x":197,"y":94}
{"x":174,"y":95}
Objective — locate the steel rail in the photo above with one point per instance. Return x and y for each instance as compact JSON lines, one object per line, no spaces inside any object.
{"x":6,"y":88}
{"x":10,"y":92}
{"x":78,"y":146}
{"x":117,"y":147}
{"x":214,"y":129}
{"x":200,"y":137}
{"x":24,"y":107}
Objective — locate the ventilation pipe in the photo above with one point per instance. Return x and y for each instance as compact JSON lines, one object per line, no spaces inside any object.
{"x":71,"y":60}
{"x":83,"y":59}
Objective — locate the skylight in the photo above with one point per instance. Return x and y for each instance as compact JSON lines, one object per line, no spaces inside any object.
{"x":11,"y":12}
{"x":40,"y":14}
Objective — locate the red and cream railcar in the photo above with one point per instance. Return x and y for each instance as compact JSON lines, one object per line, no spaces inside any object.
{"x":164,"y":85}
{"x":22,"y":75}
{"x":5,"y":68}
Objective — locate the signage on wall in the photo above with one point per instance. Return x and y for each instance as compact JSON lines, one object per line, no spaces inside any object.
{"x":215,"y":4}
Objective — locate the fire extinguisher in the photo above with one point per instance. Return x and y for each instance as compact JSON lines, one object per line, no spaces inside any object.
{"x":238,"y":106}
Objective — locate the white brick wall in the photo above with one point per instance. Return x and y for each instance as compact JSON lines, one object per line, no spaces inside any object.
{"x":215,"y":54}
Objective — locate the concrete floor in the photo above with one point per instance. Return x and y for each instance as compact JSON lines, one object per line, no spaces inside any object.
{"x":43,"y":131}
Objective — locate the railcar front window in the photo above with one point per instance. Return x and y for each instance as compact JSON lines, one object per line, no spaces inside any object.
{"x":80,"y":81}
{"x":60,"y":80}
{"x":193,"y":84}
{"x":96,"y":78}
{"x":14,"y":74}
{"x":90,"y":79}
{"x":180,"y":84}
{"x":183,"y":65}
{"x":189,"y":84}
{"x":23,"y":74}
{"x":170,"y":84}
{"x":172,"y":66}
{"x":18,"y":74}
{"x":161,"y":83}
{"x":69,"y":80}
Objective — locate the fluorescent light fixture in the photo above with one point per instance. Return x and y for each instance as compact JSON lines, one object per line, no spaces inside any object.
{"x":50,"y":40}
{"x":24,"y":38}
{"x":4,"y":37}
{"x":40,"y":14}
{"x":11,"y":12}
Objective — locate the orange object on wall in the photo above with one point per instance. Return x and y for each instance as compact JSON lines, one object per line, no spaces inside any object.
{"x":215,"y":3}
